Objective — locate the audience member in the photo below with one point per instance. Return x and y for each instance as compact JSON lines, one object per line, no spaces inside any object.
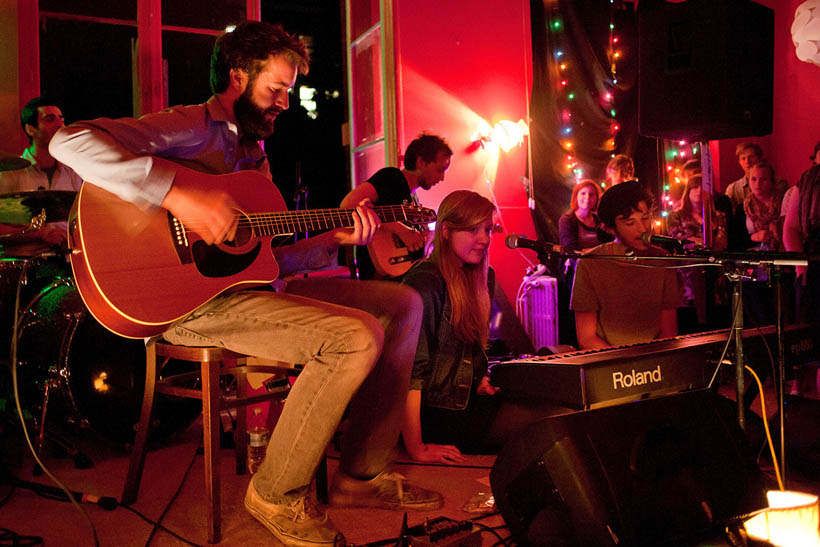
{"x":748,"y":154}
{"x":451,"y":406}
{"x":426,"y":159}
{"x":619,"y":301}
{"x":690,"y":168}
{"x":801,"y":233}
{"x":762,"y":208}
{"x":686,"y":222}
{"x":579,"y":229}
{"x":619,"y":169}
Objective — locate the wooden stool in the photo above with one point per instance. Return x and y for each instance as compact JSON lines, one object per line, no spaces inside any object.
{"x":212,"y":362}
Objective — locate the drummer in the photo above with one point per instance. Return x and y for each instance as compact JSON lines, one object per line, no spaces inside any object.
{"x":40,"y":120}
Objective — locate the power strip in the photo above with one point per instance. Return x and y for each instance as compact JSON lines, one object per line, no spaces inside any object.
{"x":444,"y":532}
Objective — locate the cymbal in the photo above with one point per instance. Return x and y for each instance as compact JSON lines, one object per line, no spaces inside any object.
{"x":13,"y":163}
{"x":21,"y":207}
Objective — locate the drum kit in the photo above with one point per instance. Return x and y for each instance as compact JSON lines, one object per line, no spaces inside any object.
{"x":70,"y":369}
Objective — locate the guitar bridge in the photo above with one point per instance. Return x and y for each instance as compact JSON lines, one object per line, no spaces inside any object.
{"x":179,"y":239}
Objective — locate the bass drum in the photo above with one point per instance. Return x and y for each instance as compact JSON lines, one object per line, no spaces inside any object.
{"x":100,"y":376}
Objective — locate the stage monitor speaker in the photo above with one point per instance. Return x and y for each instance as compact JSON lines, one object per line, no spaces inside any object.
{"x":705,"y":69}
{"x":653,"y":472}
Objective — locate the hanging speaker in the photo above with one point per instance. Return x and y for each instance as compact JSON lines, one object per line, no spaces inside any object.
{"x":658,"y":471}
{"x":705,"y":69}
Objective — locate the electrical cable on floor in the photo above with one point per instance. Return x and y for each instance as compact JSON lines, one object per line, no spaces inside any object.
{"x":766,"y":426}
{"x":54,"y":479}
{"x":13,"y":539}
{"x":485,"y":528}
{"x":174,"y":497}
{"x":161,"y":527}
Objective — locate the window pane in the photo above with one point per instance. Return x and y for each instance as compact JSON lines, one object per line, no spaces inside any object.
{"x":363,"y":15}
{"x":367,"y":161}
{"x":120,"y":9}
{"x":188,"y":57}
{"x":368,"y":124}
{"x":87,"y":68}
{"x":208,"y":15}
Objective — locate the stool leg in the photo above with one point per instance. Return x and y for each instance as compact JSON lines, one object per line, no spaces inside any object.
{"x":137,"y":460}
{"x":241,"y":429}
{"x":210,"y":428}
{"x":321,"y":481}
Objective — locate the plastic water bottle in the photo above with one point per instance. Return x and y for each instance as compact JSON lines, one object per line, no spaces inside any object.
{"x":257,"y":446}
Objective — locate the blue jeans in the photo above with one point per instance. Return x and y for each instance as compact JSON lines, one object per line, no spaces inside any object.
{"x":357,"y":340}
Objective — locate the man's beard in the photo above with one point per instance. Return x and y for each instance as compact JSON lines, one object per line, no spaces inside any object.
{"x":252,"y":119}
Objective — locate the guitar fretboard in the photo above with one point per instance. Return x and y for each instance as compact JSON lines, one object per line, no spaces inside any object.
{"x":286,"y":222}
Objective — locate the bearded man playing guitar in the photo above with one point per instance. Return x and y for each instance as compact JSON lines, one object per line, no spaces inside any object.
{"x":354,"y":338}
{"x":395,"y":247}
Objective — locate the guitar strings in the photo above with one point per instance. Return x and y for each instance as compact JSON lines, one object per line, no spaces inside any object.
{"x":324,"y":218}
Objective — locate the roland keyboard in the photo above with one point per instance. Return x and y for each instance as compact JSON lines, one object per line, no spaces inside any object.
{"x":594,"y":378}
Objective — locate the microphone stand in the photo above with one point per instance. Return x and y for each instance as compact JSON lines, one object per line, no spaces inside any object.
{"x":300,"y":196}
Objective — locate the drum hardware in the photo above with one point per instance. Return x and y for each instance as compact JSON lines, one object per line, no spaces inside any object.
{"x":13,"y":163}
{"x":37,"y":222}
{"x":72,"y":370}
{"x":22,"y":207}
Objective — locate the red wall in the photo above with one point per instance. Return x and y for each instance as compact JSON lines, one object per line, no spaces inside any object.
{"x":459,"y":62}
{"x":796,"y":124}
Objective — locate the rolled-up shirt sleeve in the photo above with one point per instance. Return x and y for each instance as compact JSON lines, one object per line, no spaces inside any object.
{"x":129,"y":172}
{"x":118,"y":155}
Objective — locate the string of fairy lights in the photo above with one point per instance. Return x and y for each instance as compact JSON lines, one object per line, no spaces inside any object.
{"x":676,"y":153}
{"x":569,"y":92}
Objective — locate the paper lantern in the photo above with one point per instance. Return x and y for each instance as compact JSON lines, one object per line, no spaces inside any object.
{"x":806,"y":31}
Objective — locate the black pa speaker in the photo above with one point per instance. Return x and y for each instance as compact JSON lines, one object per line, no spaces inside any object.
{"x":705,"y":69}
{"x":655,"y":472}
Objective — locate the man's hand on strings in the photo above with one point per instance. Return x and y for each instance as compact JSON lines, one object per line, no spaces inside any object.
{"x":365,"y":224}
{"x":209,"y":213}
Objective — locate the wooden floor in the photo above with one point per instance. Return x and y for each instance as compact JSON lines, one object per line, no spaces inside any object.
{"x":174,"y":464}
{"x":59,"y":523}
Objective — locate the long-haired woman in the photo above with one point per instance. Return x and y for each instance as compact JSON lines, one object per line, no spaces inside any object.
{"x":451,"y":406}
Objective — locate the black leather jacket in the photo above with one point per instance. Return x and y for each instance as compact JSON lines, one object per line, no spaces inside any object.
{"x":447,"y":370}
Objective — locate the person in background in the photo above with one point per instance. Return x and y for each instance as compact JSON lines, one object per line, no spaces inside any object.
{"x":579,"y":228}
{"x":762,"y":208}
{"x":426,"y":160}
{"x":40,"y":119}
{"x":801,"y":233}
{"x":619,"y":169}
{"x":451,"y":406}
{"x":619,"y":302}
{"x":748,"y":154}
{"x":686,"y":222}
{"x":795,"y":239}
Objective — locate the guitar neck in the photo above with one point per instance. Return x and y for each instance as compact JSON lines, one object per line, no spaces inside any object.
{"x":287,"y":222}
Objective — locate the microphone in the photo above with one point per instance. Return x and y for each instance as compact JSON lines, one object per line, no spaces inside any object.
{"x":514,"y":241}
{"x":654,"y":239}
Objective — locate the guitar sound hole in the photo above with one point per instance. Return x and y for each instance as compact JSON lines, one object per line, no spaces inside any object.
{"x":244,"y":233}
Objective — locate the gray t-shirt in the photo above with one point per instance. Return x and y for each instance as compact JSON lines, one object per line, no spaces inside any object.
{"x":627,"y":296}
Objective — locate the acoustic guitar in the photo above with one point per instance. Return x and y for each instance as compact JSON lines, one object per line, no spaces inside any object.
{"x":389,"y":253}
{"x":139,"y":271}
